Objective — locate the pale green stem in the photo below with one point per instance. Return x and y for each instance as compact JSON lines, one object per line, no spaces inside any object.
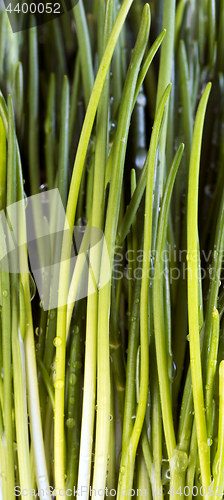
{"x":193,"y":315}
{"x":165,"y":69}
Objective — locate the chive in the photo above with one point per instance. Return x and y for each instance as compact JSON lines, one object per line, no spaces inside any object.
{"x":212,"y":360}
{"x":193,"y":292}
{"x":111,"y":477}
{"x":219,"y":458}
{"x":185,"y":99}
{"x":49,"y":129}
{"x":2,"y":455}
{"x":130,"y":400}
{"x":7,"y":381}
{"x":74,"y":98}
{"x":117,"y":355}
{"x":165,"y":68}
{"x":63,"y":143}
{"x":221,"y":38}
{"x":2,"y":165}
{"x":33,"y":111}
{"x":158,"y":306}
{"x":19,"y":97}
{"x":211,"y":31}
{"x":117,"y":82}
{"x":74,"y":410}
{"x":192,"y":460}
{"x":60,"y":51}
{"x":85,"y":50}
{"x":89,"y":187}
{"x":215,"y":281}
{"x":22,"y":312}
{"x":178,"y":20}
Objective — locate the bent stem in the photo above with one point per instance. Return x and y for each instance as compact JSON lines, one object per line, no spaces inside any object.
{"x":193,"y":316}
{"x":66,"y":248}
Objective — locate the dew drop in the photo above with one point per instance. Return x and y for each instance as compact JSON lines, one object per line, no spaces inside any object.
{"x":215,"y":254}
{"x":44,"y":197}
{"x":123,"y":470}
{"x":72,"y":379}
{"x":111,"y":417}
{"x":42,"y":479}
{"x":113,"y":127}
{"x":75,"y":330}
{"x":72,"y":400}
{"x":52,"y":314}
{"x":57,"y":341}
{"x":199,"y":478}
{"x":5,"y":293}
{"x":43,"y":188}
{"x":59,"y":384}
{"x":38,"y":331}
{"x":180,"y":461}
{"x":82,"y":223}
{"x":203,"y":448}
{"x":209,"y":190}
{"x":77,"y":365}
{"x":174,"y":370}
{"x":210,"y":271}
{"x":53,"y":367}
{"x":70,"y":422}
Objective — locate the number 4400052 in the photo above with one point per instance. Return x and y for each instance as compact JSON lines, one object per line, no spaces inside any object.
{"x":32,"y":8}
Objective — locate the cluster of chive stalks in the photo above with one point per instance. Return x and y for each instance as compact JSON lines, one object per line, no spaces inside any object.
{"x":121,"y":108}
